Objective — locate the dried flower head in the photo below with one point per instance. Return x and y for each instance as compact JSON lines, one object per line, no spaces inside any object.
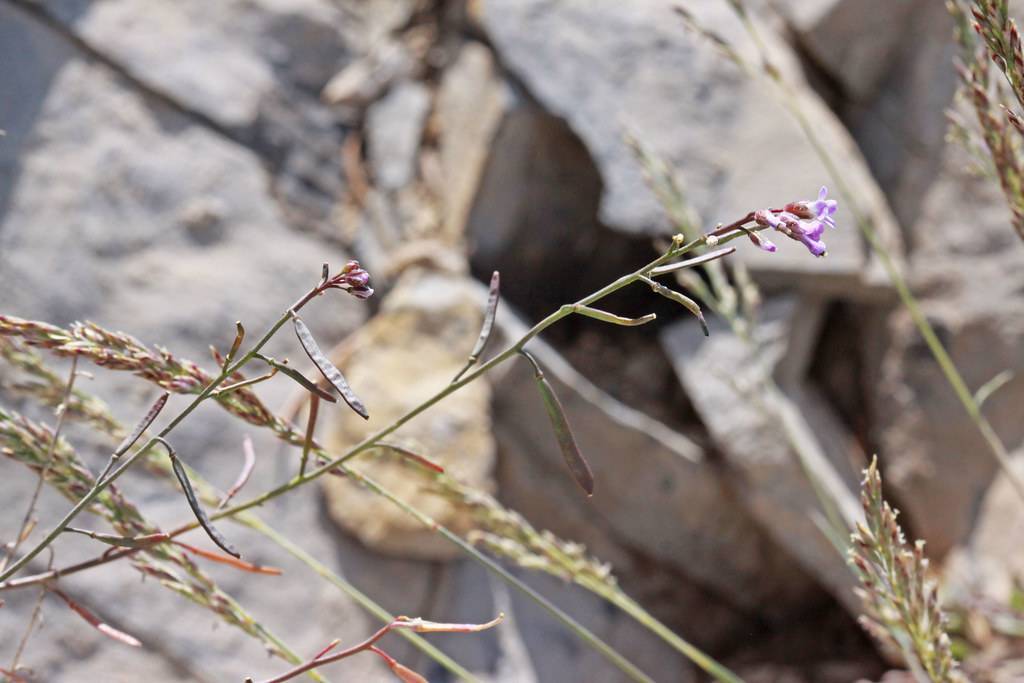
{"x":901,"y":603}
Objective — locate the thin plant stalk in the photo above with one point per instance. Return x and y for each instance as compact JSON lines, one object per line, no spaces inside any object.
{"x":62,"y":410}
{"x":110,"y":474}
{"x":952,"y":374}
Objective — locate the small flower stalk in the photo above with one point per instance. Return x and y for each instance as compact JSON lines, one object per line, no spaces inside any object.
{"x":901,"y":603}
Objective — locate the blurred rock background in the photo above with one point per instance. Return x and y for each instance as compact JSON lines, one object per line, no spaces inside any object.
{"x":168,"y":168}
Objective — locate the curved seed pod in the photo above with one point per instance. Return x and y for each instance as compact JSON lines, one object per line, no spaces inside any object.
{"x":306,"y":383}
{"x":122,"y":541}
{"x":681,"y":299}
{"x":193,"y":502}
{"x":142,"y":426}
{"x":326,"y":367}
{"x":493,"y":295}
{"x":690,"y":263}
{"x":605,"y":316}
{"x":235,"y":345}
{"x":563,"y":433}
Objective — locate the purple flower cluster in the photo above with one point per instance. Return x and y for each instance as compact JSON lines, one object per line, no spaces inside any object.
{"x":352,"y":279}
{"x":802,"y":221}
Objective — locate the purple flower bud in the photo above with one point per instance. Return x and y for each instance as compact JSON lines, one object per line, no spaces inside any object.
{"x":352,"y":279}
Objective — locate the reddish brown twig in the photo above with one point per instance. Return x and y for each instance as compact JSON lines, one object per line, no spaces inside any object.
{"x":418,"y":625}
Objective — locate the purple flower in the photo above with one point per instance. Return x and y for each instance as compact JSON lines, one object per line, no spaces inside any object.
{"x":803,"y":221}
{"x":821,"y":209}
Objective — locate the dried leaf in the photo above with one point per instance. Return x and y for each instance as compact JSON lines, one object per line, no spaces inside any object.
{"x":143,"y":425}
{"x":424,"y":626}
{"x":578,"y":466}
{"x":326,"y":367}
{"x":308,"y":385}
{"x":193,"y":502}
{"x":230,"y":561}
{"x":493,"y":295}
{"x":96,"y":622}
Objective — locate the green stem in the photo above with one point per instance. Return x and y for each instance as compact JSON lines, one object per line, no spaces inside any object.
{"x":956,"y":381}
{"x":610,"y":653}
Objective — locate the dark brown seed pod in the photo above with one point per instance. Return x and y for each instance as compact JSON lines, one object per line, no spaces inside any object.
{"x":306,"y":383}
{"x":193,"y":502}
{"x":578,"y":466}
{"x":493,"y":295}
{"x":142,"y":426}
{"x":326,"y":367}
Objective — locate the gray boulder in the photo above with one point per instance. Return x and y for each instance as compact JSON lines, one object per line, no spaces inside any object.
{"x":615,"y":68}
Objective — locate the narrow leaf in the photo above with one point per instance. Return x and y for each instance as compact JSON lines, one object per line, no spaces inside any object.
{"x":193,"y":502}
{"x":578,"y":466}
{"x":326,"y":367}
{"x":681,"y":299}
{"x":424,"y":626}
{"x":230,"y":561}
{"x":96,"y":622}
{"x":307,"y":445}
{"x":992,"y":386}
{"x":243,"y":477}
{"x":607,"y":317}
{"x":412,"y":455}
{"x":143,"y":425}
{"x":122,"y":541}
{"x":307,"y":384}
{"x":493,"y":295}
{"x":690,"y":263}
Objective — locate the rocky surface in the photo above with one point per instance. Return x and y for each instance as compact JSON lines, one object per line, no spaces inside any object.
{"x":773,"y":429}
{"x":968,"y":280}
{"x":633,"y":57}
{"x":169,"y":170}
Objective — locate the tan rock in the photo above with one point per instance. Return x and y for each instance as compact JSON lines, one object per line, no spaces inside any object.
{"x":409,"y":351}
